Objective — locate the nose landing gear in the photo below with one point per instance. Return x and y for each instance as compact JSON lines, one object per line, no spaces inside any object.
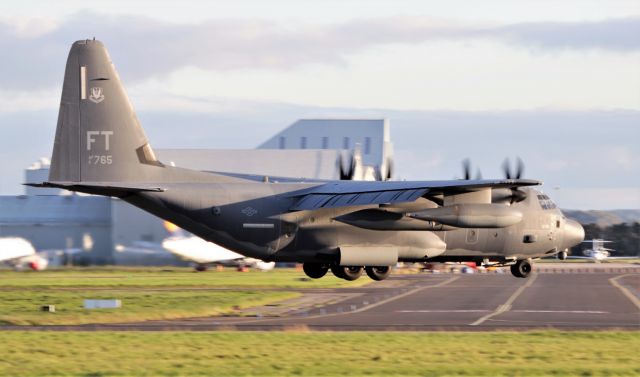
{"x":522,"y":268}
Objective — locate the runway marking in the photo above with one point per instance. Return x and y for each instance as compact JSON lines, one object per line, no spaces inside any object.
{"x":444,"y":311}
{"x":366,"y":307}
{"x":624,"y":290}
{"x":563,"y":311}
{"x":507,"y":305}
{"x":392,"y":298}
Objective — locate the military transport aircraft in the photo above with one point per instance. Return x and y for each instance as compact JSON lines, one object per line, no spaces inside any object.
{"x":342,"y":226}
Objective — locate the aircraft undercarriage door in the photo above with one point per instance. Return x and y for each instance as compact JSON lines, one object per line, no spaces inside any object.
{"x":287,"y":233}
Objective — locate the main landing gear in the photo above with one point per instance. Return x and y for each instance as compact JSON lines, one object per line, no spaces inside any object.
{"x":350,"y":273}
{"x":522,"y":268}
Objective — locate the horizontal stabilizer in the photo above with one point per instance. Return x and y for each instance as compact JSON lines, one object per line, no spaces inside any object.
{"x":118,"y":189}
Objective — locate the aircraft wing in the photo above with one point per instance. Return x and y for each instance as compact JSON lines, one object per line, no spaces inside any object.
{"x":362,"y":193}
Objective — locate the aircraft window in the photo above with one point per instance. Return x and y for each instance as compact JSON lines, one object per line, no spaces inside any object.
{"x":367,"y":145}
{"x":546,"y":202}
{"x":557,"y":223}
{"x":282,"y":142}
{"x":303,"y":142}
{"x":345,"y":143}
{"x":325,"y":142}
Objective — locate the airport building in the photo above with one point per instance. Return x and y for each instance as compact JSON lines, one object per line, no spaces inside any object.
{"x":99,"y":230}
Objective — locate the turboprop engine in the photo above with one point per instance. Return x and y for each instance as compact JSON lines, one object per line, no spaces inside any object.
{"x":472,"y":215}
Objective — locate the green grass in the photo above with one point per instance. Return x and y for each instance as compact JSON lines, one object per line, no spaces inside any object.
{"x":22,"y":307}
{"x":173,"y":276}
{"x":146,"y":294}
{"x":547,"y":353}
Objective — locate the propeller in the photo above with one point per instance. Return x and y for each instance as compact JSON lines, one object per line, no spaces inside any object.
{"x":516,"y":194}
{"x":347,"y":174}
{"x":519,"y":169}
{"x":466,"y":170}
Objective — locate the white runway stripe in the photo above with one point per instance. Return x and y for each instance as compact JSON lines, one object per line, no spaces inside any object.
{"x":444,"y":311}
{"x":563,"y":311}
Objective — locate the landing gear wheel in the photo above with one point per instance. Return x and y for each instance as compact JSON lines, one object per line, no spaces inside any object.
{"x":521,"y":269}
{"x":315,"y":270}
{"x":349,"y":273}
{"x":200,"y":267}
{"x":378,"y":273}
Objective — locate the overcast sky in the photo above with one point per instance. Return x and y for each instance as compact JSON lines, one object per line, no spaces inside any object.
{"x":557,"y":83}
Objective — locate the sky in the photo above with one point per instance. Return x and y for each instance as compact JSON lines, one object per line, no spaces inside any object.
{"x":555,"y":83}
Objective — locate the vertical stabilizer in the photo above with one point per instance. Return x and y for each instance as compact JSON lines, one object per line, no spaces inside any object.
{"x":98,"y":137}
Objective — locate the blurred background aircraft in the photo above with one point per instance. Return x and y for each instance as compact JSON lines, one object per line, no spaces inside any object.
{"x":20,"y":254}
{"x":598,"y":252}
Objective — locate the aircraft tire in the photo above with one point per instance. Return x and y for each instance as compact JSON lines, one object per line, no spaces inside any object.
{"x":521,"y":269}
{"x":378,"y":273}
{"x":200,"y":267}
{"x":349,"y":273}
{"x":315,"y":270}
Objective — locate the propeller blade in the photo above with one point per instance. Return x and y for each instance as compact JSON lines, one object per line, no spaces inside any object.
{"x":466,"y":168}
{"x":346,"y":174}
{"x":506,"y":168}
{"x":519,"y":168}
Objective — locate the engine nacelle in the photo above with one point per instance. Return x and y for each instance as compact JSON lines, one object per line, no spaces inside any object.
{"x":473,"y":215}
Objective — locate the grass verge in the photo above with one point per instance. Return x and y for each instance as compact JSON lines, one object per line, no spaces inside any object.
{"x":22,"y":307}
{"x":320,"y":354}
{"x":172,"y":276}
{"x":146,"y":294}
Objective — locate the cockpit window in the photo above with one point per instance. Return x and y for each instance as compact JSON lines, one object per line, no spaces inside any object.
{"x":546,"y":202}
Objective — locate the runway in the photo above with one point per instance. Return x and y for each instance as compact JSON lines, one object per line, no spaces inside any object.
{"x":597,"y":298}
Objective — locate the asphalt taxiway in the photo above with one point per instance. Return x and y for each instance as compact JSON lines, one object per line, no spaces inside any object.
{"x":587,"y":297}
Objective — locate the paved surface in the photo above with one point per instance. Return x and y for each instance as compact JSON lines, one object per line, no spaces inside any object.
{"x":601,"y":297}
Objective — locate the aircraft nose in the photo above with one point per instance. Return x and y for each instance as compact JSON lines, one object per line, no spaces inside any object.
{"x":573,"y":233}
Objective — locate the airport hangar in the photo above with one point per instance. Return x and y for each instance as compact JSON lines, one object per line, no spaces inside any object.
{"x":92,"y":229}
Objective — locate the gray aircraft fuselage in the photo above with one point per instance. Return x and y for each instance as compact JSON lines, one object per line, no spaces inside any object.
{"x":100,"y":148}
{"x":246,"y":218}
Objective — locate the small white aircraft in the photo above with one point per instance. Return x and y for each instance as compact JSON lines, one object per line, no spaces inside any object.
{"x":204,"y":253}
{"x":598,"y":252}
{"x":20,"y":254}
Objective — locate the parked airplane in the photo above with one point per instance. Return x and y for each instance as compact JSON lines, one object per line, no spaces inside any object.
{"x":100,"y":148}
{"x":20,"y":254}
{"x":597,"y":253}
{"x":204,"y":253}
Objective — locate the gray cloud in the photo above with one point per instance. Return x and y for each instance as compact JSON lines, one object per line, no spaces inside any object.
{"x":144,"y":47}
{"x":616,"y":35}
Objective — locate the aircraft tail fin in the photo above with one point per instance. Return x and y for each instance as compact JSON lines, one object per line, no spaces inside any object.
{"x":98,"y":136}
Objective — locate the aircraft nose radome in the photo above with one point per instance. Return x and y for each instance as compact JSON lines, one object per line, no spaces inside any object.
{"x":573,"y":233}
